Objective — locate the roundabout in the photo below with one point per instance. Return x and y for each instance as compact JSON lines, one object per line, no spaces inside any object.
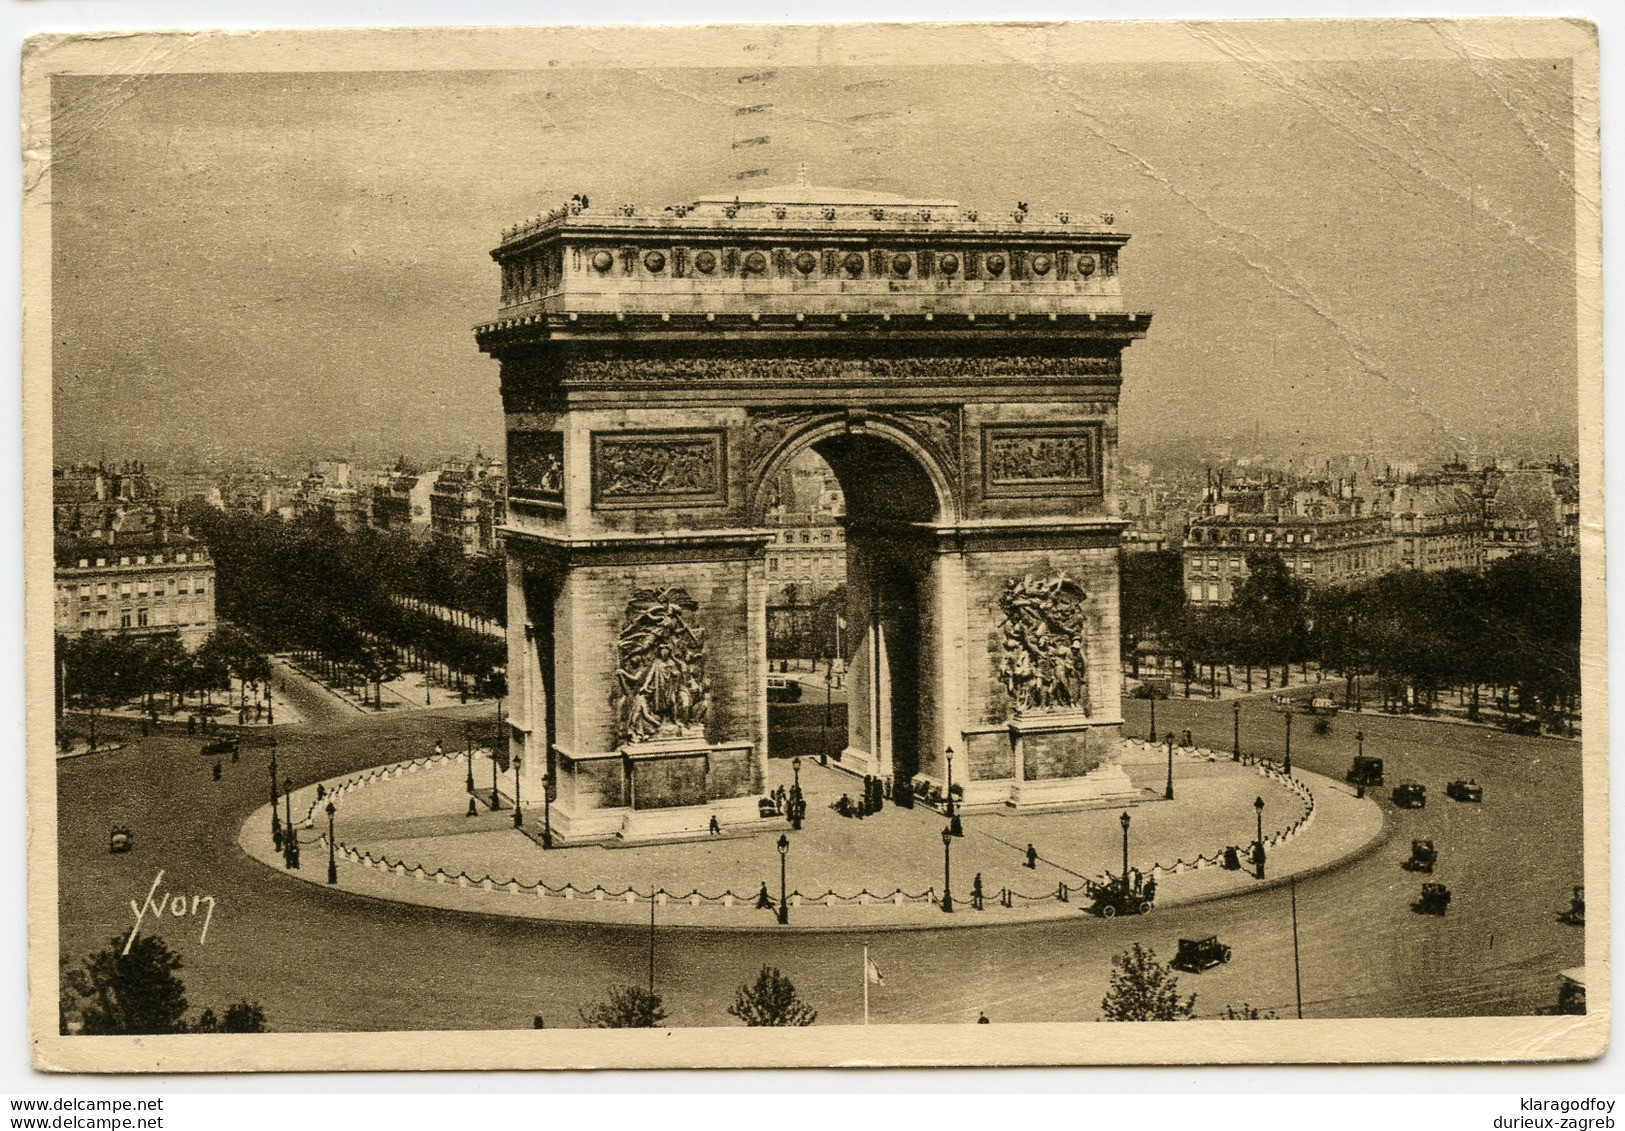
{"x":404,"y":833}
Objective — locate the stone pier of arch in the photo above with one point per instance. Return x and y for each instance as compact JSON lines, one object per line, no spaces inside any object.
{"x":960,"y":375}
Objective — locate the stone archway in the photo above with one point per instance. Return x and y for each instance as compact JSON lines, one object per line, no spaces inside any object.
{"x":960,"y":376}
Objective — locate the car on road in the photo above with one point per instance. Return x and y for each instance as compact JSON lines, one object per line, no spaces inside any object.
{"x":1410,"y":795}
{"x":1365,"y":771}
{"x":119,"y":839}
{"x":1118,"y":898}
{"x":218,"y":747}
{"x":783,"y":689}
{"x":1197,"y":955}
{"x":1423,"y":856}
{"x":1435,"y":899}
{"x":1465,"y":789}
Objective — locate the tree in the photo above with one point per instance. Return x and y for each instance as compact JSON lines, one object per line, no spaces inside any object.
{"x":1153,"y":597}
{"x":1247,"y":1012}
{"x":140,"y":993}
{"x":1143,"y":989}
{"x":628,"y":1007}
{"x":771,"y":1001}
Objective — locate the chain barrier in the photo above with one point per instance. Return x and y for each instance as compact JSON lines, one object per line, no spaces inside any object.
{"x":897,"y":897}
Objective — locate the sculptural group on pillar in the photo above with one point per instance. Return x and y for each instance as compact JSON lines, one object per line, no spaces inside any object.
{"x":1042,"y":663}
{"x":661,"y":690}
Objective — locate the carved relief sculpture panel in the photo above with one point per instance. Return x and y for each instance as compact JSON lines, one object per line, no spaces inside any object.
{"x":661,"y":690}
{"x":1018,"y":460}
{"x":536,"y":465}
{"x":1041,"y":662}
{"x":658,"y":469}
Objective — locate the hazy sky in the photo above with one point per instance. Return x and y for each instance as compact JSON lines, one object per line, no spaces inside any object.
{"x":1351,"y":255}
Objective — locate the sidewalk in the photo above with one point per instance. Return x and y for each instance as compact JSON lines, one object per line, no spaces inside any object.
{"x":404,"y":836}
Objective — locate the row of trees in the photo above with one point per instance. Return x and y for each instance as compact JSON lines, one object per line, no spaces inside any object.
{"x":310,"y":585}
{"x":138,"y":992}
{"x":100,"y":671}
{"x":1514,"y":628}
{"x":771,"y":1001}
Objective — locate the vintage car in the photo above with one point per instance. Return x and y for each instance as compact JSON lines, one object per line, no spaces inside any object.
{"x":1576,"y":914}
{"x":1365,"y":771}
{"x":1322,"y":706}
{"x":1118,"y":898}
{"x":1465,"y":789}
{"x":1435,"y":899}
{"x":218,"y":747}
{"x":120,"y":839}
{"x":1423,"y":856}
{"x":1571,"y":991}
{"x":783,"y":689}
{"x":1409,"y":795}
{"x":1196,"y":955}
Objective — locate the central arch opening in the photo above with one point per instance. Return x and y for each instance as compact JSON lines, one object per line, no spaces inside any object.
{"x":847,"y":633}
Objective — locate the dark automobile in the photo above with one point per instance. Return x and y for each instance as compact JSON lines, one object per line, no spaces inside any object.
{"x":119,"y":839}
{"x":1365,"y":771}
{"x":218,"y":747}
{"x":1196,"y":955}
{"x":1465,"y":789}
{"x":1118,"y":898}
{"x":783,"y":689}
{"x":1410,"y":796}
{"x":1435,"y":899}
{"x":1423,"y":856}
{"x":1571,"y":993}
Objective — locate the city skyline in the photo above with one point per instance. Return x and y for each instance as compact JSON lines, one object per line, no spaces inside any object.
{"x":285,"y":264}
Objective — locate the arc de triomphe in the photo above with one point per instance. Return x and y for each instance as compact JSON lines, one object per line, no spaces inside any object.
{"x":958,"y":372}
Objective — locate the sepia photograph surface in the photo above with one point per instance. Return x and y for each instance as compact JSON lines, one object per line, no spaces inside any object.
{"x":943,"y":540}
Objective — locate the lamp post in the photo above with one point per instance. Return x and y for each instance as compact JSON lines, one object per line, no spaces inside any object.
{"x":1153,"y":714}
{"x":1168,"y":791}
{"x":1359,"y":739}
{"x":1288,"y":760}
{"x":495,"y":801}
{"x":468,"y":748}
{"x":290,"y":842}
{"x":1123,"y":820}
{"x":823,"y":741}
{"x":947,"y":875}
{"x":332,"y":858}
{"x":1258,"y":858}
{"x":784,"y":885}
{"x":954,"y":825}
{"x":276,"y":823}
{"x":518,"y":812}
{"x":1235,"y":753}
{"x":795,"y":765}
{"x":547,"y":809}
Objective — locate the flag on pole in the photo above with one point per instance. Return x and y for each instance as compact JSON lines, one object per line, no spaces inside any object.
{"x":871,"y":972}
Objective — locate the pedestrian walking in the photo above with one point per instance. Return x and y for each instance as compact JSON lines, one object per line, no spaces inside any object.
{"x":976,"y":892}
{"x":1032,"y":857}
{"x":217,"y":769}
{"x":981,"y":1018}
{"x":439,"y":749}
{"x":764,"y":902}
{"x":716,"y":826}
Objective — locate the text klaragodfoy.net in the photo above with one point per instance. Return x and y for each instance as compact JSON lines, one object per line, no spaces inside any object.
{"x":89,"y":1115}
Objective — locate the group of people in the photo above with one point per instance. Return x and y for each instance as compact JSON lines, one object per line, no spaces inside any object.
{"x":874,"y":796}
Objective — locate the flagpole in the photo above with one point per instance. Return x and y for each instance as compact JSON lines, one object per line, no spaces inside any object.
{"x":866,"y":985}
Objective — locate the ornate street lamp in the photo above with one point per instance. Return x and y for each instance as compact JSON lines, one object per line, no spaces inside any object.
{"x":1153,"y":714}
{"x":290,"y":842}
{"x":1258,"y":858}
{"x":954,"y":825}
{"x":1168,"y":791}
{"x":468,"y":747}
{"x":1288,"y":760}
{"x":496,"y":802}
{"x":1123,"y":820}
{"x":795,"y":764}
{"x":947,"y":877}
{"x":784,"y":886}
{"x":1235,"y":753}
{"x":332,"y":859}
{"x":518,"y":814}
{"x":1359,"y":738}
{"x":276,"y":823}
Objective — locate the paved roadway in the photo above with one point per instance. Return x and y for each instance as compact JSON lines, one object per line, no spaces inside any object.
{"x":321,"y":960}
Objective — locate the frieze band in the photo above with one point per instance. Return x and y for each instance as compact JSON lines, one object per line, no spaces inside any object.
{"x":1060,"y":459}
{"x":798,"y":370}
